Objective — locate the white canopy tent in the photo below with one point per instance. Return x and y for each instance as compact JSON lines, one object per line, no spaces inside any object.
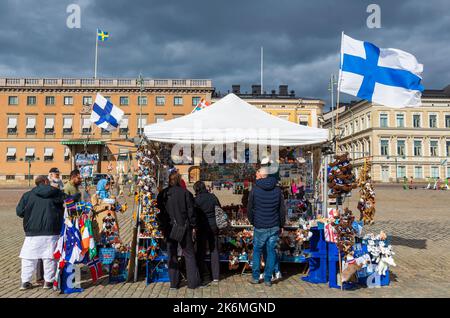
{"x":232,"y":120}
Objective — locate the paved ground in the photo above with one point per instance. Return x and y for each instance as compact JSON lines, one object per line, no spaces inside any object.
{"x":418,"y":220}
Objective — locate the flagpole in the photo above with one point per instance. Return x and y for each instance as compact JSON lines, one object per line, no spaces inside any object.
{"x":339,"y":91}
{"x":262,"y":65}
{"x":96,"y":54}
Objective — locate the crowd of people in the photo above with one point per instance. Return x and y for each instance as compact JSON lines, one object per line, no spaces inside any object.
{"x":189,"y":222}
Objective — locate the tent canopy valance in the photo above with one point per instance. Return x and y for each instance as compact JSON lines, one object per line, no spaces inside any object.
{"x":232,"y":120}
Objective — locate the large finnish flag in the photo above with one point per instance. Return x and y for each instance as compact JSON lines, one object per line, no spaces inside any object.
{"x":105,"y":114}
{"x":389,"y":77}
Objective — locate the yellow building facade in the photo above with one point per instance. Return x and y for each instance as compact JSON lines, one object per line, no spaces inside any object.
{"x":45,"y":122}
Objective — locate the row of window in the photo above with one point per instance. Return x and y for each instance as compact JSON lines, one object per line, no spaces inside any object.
{"x":435,"y":172}
{"x":417,"y":122}
{"x":86,"y":124}
{"x":30,"y":154}
{"x":417,"y":148}
{"x":88,"y":100}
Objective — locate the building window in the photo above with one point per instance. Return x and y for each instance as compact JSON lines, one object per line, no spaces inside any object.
{"x":401,"y":171}
{"x":195,"y":101}
{"x":48,"y":154}
{"x":31,"y":100}
{"x":49,"y":125}
{"x":178,"y":100}
{"x":123,"y":126}
{"x":10,"y":177}
{"x":86,"y":125}
{"x":401,"y":148}
{"x":448,"y":147}
{"x":433,"y":121}
{"x":384,"y":144}
{"x":31,"y":125}
{"x":68,"y":100}
{"x":303,"y":120}
{"x":105,"y":132}
{"x":12,"y":125}
{"x":368,"y":121}
{"x":400,"y":120}
{"x":142,"y":100}
{"x":29,"y":154}
{"x":141,"y":125}
{"x":49,"y":100}
{"x":66,"y":154}
{"x":108,"y":98}
{"x":383,"y":120}
{"x":448,"y":172}
{"x":447,"y":121}
{"x":87,"y":100}
{"x":418,"y":172}
{"x":13,"y":100}
{"x":159,"y":118}
{"x":363,"y":123}
{"x":417,"y":148}
{"x":11,"y":154}
{"x":124,"y":100}
{"x":160,"y":100}
{"x":434,"y":148}
{"x":416,"y":121}
{"x":67,"y":125}
{"x":29,"y":177}
{"x":123,"y":155}
{"x":435,"y":172}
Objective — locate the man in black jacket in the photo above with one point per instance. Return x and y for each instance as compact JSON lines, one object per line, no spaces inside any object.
{"x":42,"y":210}
{"x":177,"y":219}
{"x":266,"y":211}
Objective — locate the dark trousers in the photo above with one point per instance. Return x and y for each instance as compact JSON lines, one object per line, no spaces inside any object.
{"x":40,"y":271}
{"x":207,"y":235}
{"x":193,"y":277}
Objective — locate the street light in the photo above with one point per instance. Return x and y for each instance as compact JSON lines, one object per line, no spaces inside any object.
{"x":29,"y":160}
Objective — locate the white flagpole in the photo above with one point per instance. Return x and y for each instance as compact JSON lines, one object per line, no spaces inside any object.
{"x":339,"y":86}
{"x":262,"y":64}
{"x":96,"y":54}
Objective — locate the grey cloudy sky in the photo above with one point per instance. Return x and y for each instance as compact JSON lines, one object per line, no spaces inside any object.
{"x":219,"y":40}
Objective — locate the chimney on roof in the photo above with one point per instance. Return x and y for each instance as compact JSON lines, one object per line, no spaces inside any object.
{"x":283,"y":90}
{"x":292,"y":93}
{"x":256,"y":89}
{"x":236,"y":89}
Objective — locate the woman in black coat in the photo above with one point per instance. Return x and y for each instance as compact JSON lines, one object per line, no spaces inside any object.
{"x":205,"y":206}
{"x":176,"y":206}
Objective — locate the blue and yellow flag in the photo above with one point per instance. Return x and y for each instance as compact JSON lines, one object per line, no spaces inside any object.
{"x":102,"y":35}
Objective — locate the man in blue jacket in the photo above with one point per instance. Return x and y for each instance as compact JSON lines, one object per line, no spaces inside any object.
{"x":267,"y":213}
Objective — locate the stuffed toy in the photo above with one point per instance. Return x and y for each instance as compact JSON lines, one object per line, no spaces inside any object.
{"x":341,"y":179}
{"x":366,"y":203}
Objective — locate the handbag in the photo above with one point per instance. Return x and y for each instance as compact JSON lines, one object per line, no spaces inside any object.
{"x":221,"y":218}
{"x":177,"y":232}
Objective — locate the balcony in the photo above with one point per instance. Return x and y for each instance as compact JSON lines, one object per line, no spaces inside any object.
{"x":105,"y":82}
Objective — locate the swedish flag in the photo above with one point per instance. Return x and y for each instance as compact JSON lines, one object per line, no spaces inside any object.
{"x":102,"y":35}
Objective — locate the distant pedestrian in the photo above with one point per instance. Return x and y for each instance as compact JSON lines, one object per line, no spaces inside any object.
{"x":42,"y":210}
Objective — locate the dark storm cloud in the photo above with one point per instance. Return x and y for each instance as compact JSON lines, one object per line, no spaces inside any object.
{"x":217,"y":39}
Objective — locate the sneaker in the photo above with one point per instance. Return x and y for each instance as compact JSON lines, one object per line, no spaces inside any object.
{"x":268,"y":284}
{"x":278,"y":275}
{"x":261,"y":277}
{"x":215,"y":281}
{"x":48,"y":285}
{"x":26,"y":286}
{"x":254,"y":281}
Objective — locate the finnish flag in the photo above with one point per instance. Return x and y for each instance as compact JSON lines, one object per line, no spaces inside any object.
{"x":105,"y":114}
{"x":388,"y":77}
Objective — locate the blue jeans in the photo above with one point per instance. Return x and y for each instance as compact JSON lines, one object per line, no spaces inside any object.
{"x":276,"y":266}
{"x":264,"y":238}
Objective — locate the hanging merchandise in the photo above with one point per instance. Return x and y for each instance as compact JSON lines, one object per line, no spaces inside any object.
{"x":366,"y":203}
{"x":341,"y":179}
{"x":345,"y":232}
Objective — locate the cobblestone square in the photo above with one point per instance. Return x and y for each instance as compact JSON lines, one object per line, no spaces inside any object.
{"x":418,"y":222}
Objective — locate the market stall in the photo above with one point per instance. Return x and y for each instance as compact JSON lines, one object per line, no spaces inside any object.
{"x":232,"y":121}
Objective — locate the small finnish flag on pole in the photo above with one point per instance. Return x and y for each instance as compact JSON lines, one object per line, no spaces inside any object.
{"x":388,"y":77}
{"x":105,"y":114}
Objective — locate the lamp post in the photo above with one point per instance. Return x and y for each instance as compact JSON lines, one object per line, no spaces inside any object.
{"x":29,"y":160}
{"x":140,"y":82}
